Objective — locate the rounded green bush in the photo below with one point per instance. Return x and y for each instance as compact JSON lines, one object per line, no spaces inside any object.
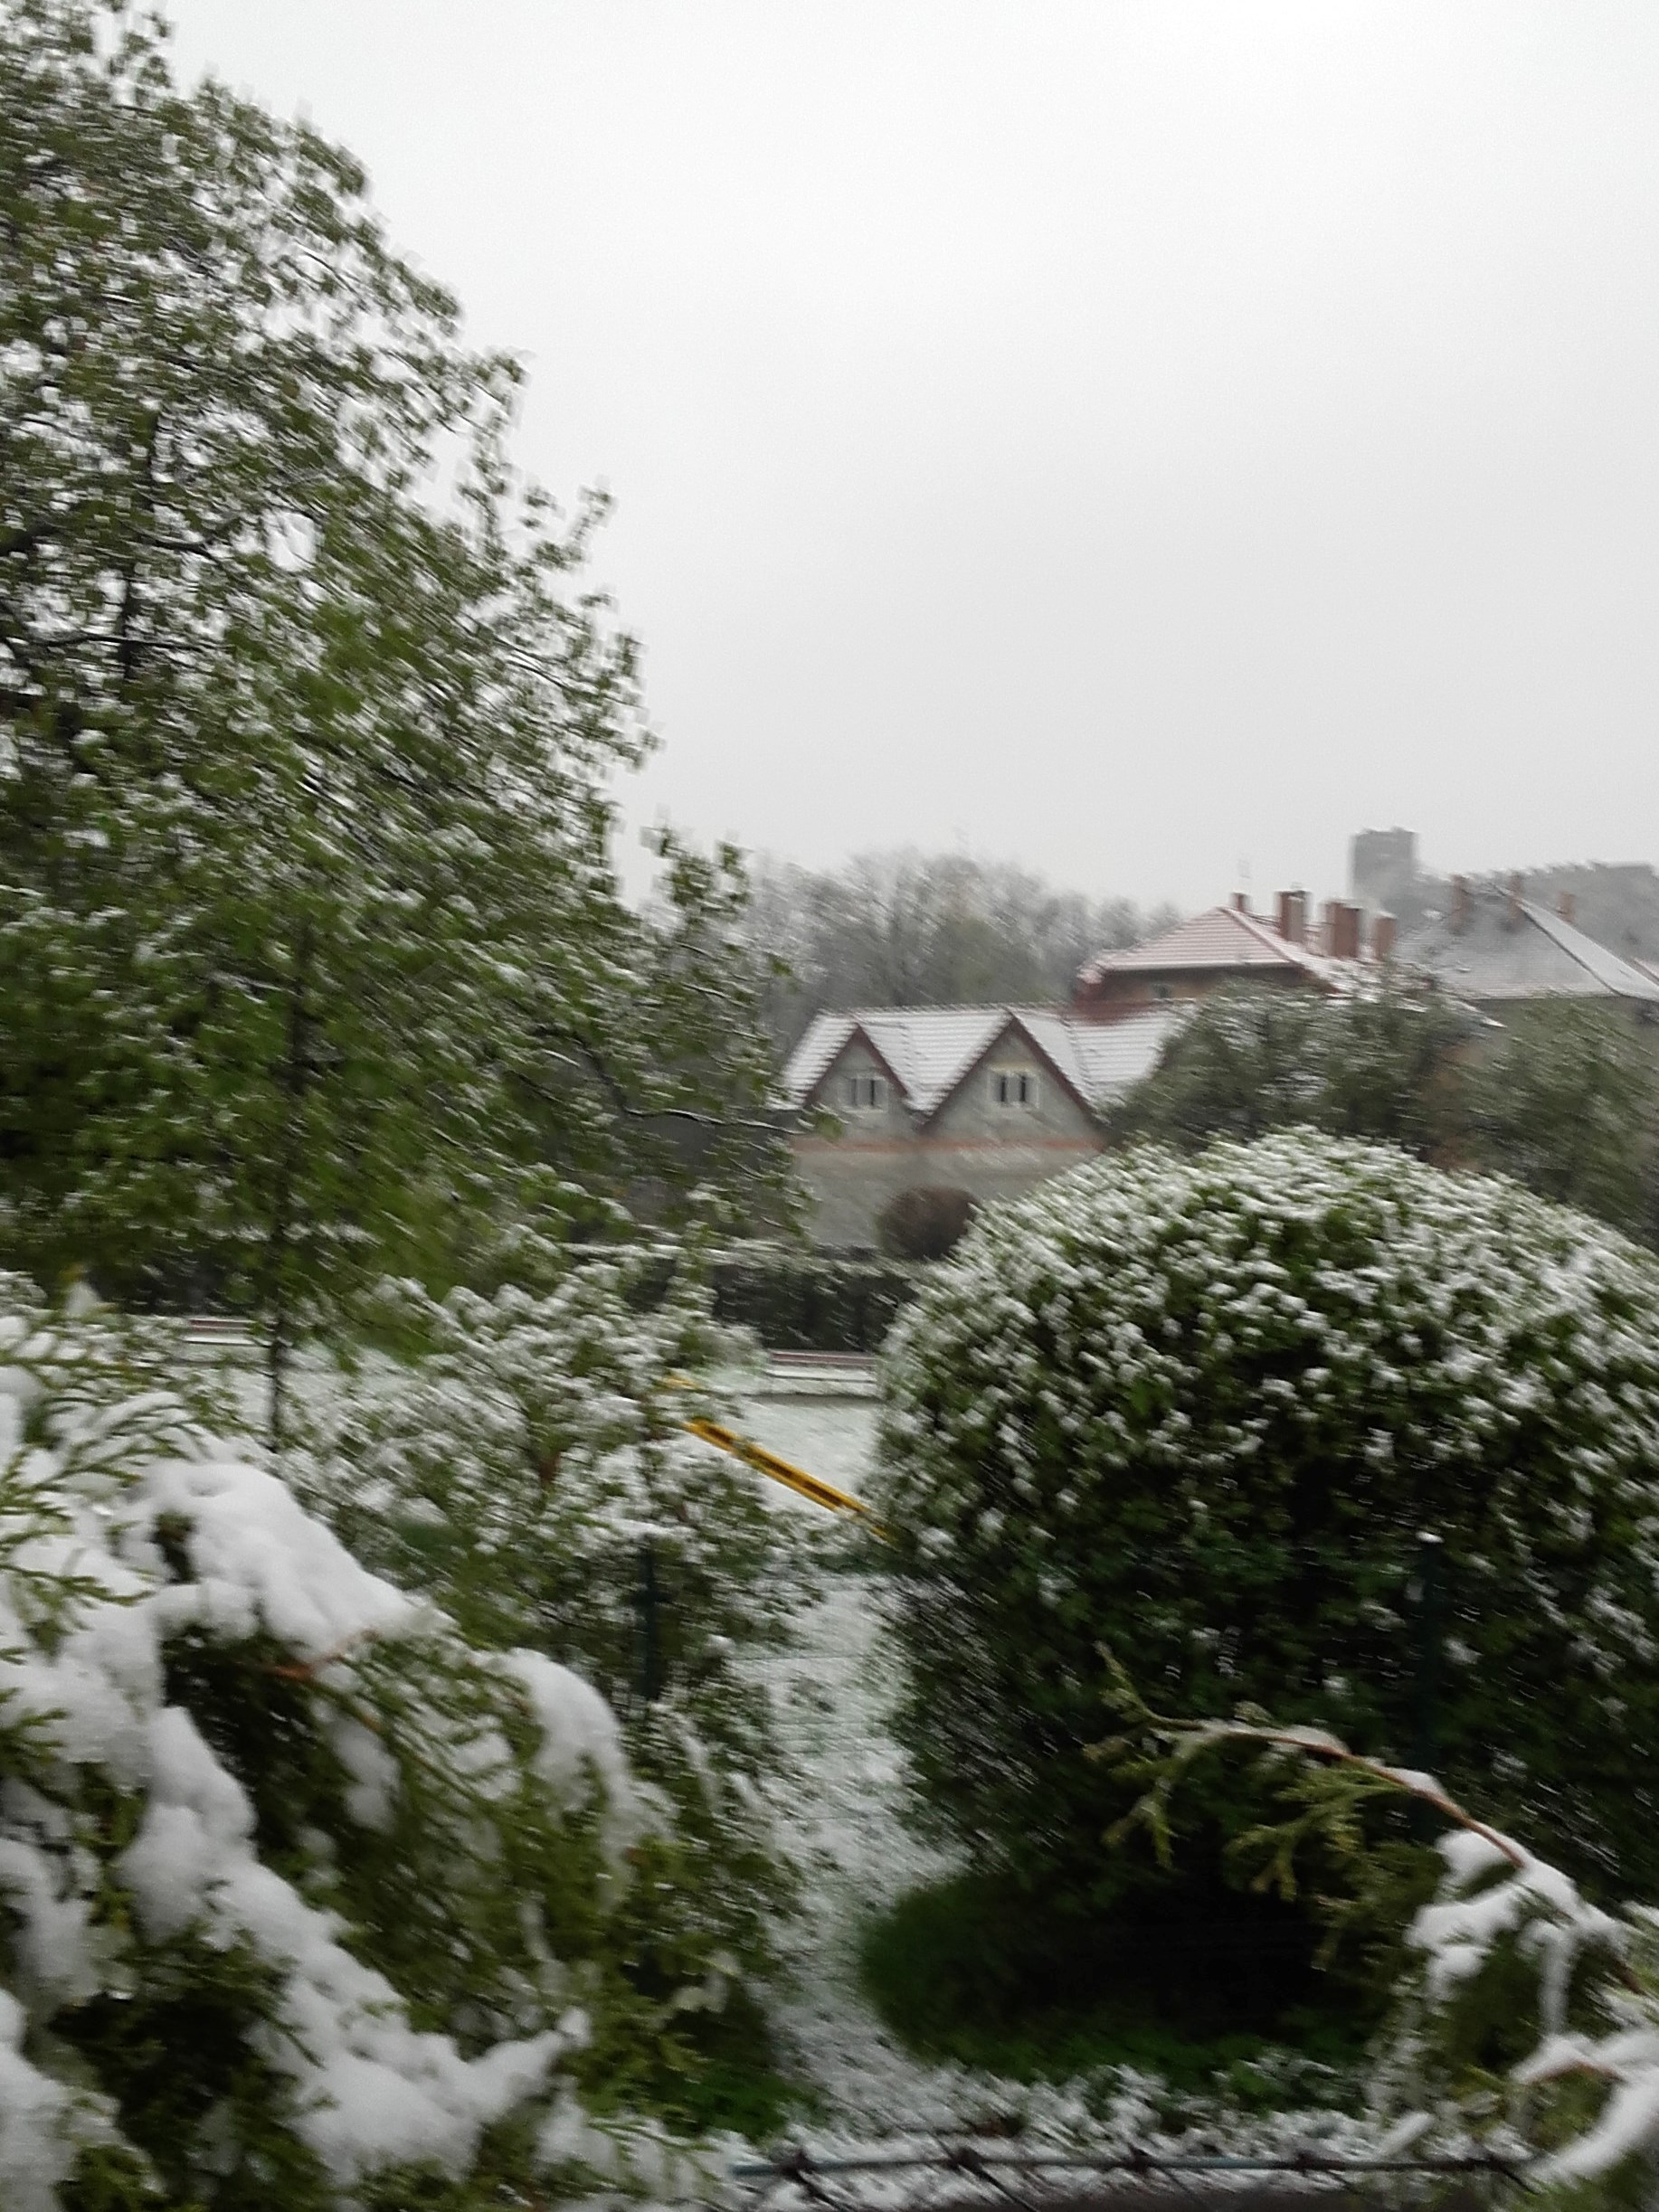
{"x":1200,"y":1410}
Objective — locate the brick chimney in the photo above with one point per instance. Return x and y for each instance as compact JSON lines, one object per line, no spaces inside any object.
{"x":1384,"y":929}
{"x":1241,"y":902}
{"x":1341,"y":929}
{"x":1293,"y":917}
{"x":1567,"y":906}
{"x":1512,"y":917}
{"x":1460,"y":902}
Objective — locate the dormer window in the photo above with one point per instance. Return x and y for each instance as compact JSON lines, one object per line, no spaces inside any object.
{"x":866,"y":1094}
{"x":1013,"y":1086}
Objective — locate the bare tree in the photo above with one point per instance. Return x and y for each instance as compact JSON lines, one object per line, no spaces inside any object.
{"x":907,"y":928}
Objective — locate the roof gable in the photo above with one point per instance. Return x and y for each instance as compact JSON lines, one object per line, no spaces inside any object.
{"x":924,"y":1048}
{"x":1223,"y":937}
{"x":823,"y":1048}
{"x":1015,"y":1024}
{"x":931,"y":1050}
{"x":814,"y":1054}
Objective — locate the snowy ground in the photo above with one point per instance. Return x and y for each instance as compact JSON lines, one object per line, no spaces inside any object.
{"x":847,"y":1829}
{"x":845,"y":1826}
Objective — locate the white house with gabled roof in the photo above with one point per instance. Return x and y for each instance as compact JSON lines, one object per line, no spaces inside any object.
{"x":985,"y":1099}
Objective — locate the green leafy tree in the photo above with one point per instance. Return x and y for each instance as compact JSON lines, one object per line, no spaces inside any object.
{"x":311,"y":957}
{"x":1387,"y":1067}
{"x":1564,"y":1098}
{"x":1566,"y":1102}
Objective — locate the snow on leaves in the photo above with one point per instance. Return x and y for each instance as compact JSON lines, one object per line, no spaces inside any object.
{"x":531,"y":1467}
{"x":222,"y":1740}
{"x":1201,"y":1407}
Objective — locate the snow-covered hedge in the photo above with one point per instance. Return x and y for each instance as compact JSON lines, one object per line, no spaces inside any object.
{"x":531,"y":1470}
{"x":303,"y":1899}
{"x":800,"y":1300}
{"x":1199,"y":1409}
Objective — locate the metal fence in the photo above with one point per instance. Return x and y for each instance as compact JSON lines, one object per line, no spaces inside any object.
{"x":968,"y":2176}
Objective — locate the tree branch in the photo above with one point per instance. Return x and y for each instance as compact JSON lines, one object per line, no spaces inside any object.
{"x":1316,"y":1744}
{"x":612,"y":1086}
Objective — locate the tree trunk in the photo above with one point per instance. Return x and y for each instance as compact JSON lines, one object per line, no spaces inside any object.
{"x":295,"y":1072}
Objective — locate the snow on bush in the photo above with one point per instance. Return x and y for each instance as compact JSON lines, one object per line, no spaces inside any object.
{"x":1199,"y":1409}
{"x":531,"y":1469}
{"x":303,"y":1900}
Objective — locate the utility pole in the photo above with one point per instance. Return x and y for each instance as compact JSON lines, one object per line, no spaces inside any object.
{"x":1428,"y":1590}
{"x":651,"y":1664}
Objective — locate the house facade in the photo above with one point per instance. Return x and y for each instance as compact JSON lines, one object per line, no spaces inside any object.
{"x":984,"y":1100}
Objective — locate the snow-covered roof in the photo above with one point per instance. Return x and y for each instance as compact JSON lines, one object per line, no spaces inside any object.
{"x":1622,"y":977}
{"x":1514,"y":949}
{"x":1223,"y":937}
{"x":930,"y":1049}
{"x":1103,"y":1059}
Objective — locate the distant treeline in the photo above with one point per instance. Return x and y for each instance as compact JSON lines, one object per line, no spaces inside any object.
{"x":925,"y":928}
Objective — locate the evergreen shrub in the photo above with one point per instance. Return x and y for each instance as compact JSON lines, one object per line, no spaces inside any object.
{"x":306,"y":1898}
{"x":796,"y":1299}
{"x":1198,"y":1410}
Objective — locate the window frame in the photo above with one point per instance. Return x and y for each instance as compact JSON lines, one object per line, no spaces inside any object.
{"x":1016,"y":1088}
{"x":869,"y":1082}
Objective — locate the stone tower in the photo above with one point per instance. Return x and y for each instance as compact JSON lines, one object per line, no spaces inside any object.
{"x":1382,"y":868}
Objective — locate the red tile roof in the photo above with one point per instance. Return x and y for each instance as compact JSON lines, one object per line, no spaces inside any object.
{"x":1222,"y":938}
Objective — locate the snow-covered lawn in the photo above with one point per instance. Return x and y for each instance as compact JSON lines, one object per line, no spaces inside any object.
{"x":846,"y":1828}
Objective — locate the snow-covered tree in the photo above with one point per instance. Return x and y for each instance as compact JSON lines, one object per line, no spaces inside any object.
{"x":311,"y":956}
{"x":923,"y":929}
{"x":1199,"y":1409}
{"x":1567,"y":1100}
{"x":306,"y":1899}
{"x":530,"y":1470}
{"x":1563,"y":1098}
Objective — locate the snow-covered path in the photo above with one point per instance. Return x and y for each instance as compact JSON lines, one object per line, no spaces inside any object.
{"x":845,"y":1823}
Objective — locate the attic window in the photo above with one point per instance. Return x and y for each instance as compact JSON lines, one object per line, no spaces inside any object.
{"x":1013,"y":1086}
{"x":866,"y":1094}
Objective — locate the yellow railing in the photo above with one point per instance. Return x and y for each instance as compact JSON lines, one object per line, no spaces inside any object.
{"x":779,"y":1469}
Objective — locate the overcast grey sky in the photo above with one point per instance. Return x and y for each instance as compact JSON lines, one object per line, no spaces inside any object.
{"x":1132,"y":438}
